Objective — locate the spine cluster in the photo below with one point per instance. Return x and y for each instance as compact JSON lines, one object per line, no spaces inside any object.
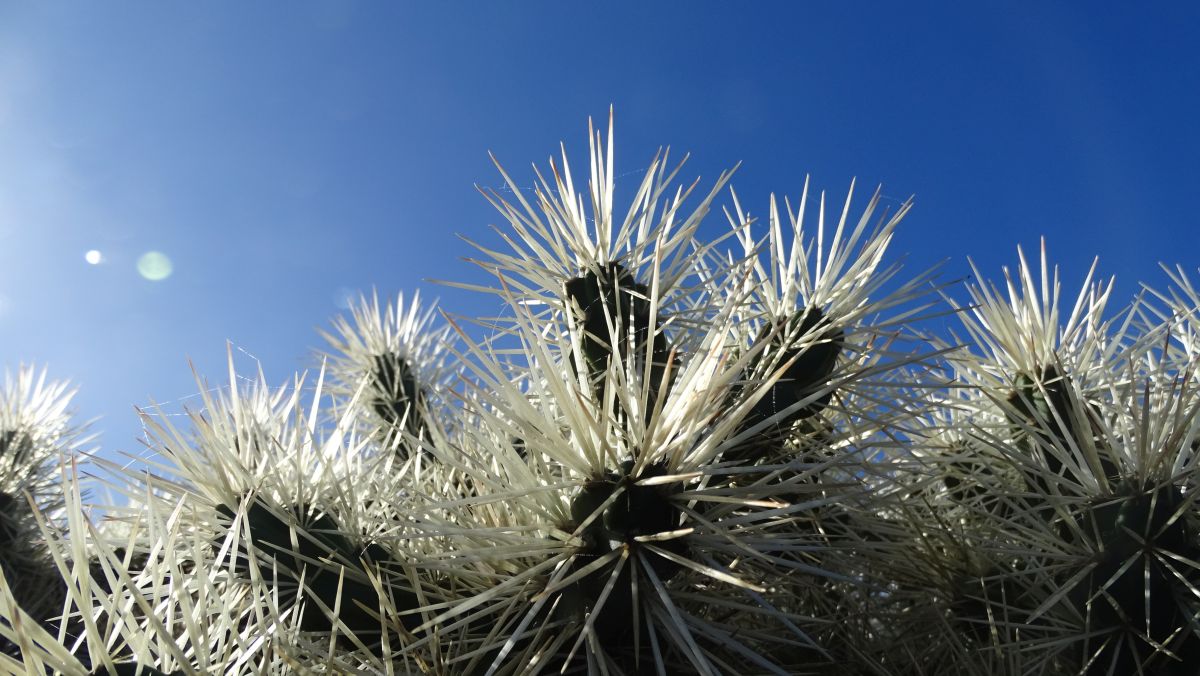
{"x":683,"y":447}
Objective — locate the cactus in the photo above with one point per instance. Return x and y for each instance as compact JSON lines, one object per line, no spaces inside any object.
{"x":668,"y":456}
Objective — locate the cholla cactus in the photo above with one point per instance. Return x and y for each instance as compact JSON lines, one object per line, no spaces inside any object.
{"x":1063,"y":484}
{"x":35,"y":432}
{"x":395,"y":356}
{"x":36,"y":435}
{"x":659,"y":407}
{"x":667,"y":456}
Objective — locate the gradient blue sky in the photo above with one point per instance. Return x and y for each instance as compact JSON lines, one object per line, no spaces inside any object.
{"x":283,"y":153}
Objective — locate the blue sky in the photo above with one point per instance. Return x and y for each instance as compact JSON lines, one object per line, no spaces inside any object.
{"x":281,"y":154}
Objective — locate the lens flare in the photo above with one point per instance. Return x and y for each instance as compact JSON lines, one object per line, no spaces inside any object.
{"x":154,"y":266}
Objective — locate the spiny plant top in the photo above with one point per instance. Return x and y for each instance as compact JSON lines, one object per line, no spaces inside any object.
{"x":674,"y":456}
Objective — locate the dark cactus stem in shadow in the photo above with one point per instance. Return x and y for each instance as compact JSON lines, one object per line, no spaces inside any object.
{"x":318,"y":537}
{"x":10,"y":544}
{"x":811,"y":371}
{"x":15,"y":446}
{"x":397,"y":398}
{"x":641,"y":510}
{"x":611,"y":296}
{"x":972,"y":480}
{"x":978,"y":602}
{"x":33,"y":579}
{"x":9,"y":524}
{"x":1053,"y":412}
{"x":1135,"y":596}
{"x":638,"y":510}
{"x":962,"y":480}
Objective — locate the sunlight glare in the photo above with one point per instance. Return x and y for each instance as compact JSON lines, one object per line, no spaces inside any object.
{"x":154,"y":266}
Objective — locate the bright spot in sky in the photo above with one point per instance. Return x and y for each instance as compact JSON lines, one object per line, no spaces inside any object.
{"x":154,"y":266}
{"x":93,"y":257}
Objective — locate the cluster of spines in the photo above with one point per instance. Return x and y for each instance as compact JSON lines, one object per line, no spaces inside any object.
{"x":806,"y":522}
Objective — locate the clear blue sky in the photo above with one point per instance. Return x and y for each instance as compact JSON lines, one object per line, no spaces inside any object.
{"x":281,"y":153}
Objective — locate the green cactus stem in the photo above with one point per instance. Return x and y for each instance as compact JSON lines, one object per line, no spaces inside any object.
{"x":9,"y":523}
{"x":397,"y":397}
{"x":810,"y":371}
{"x":1139,"y":594}
{"x":1057,"y":414}
{"x":612,"y":295}
{"x":15,"y":446}
{"x":637,"y":510}
{"x":977,"y":602}
{"x":317,"y":537}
